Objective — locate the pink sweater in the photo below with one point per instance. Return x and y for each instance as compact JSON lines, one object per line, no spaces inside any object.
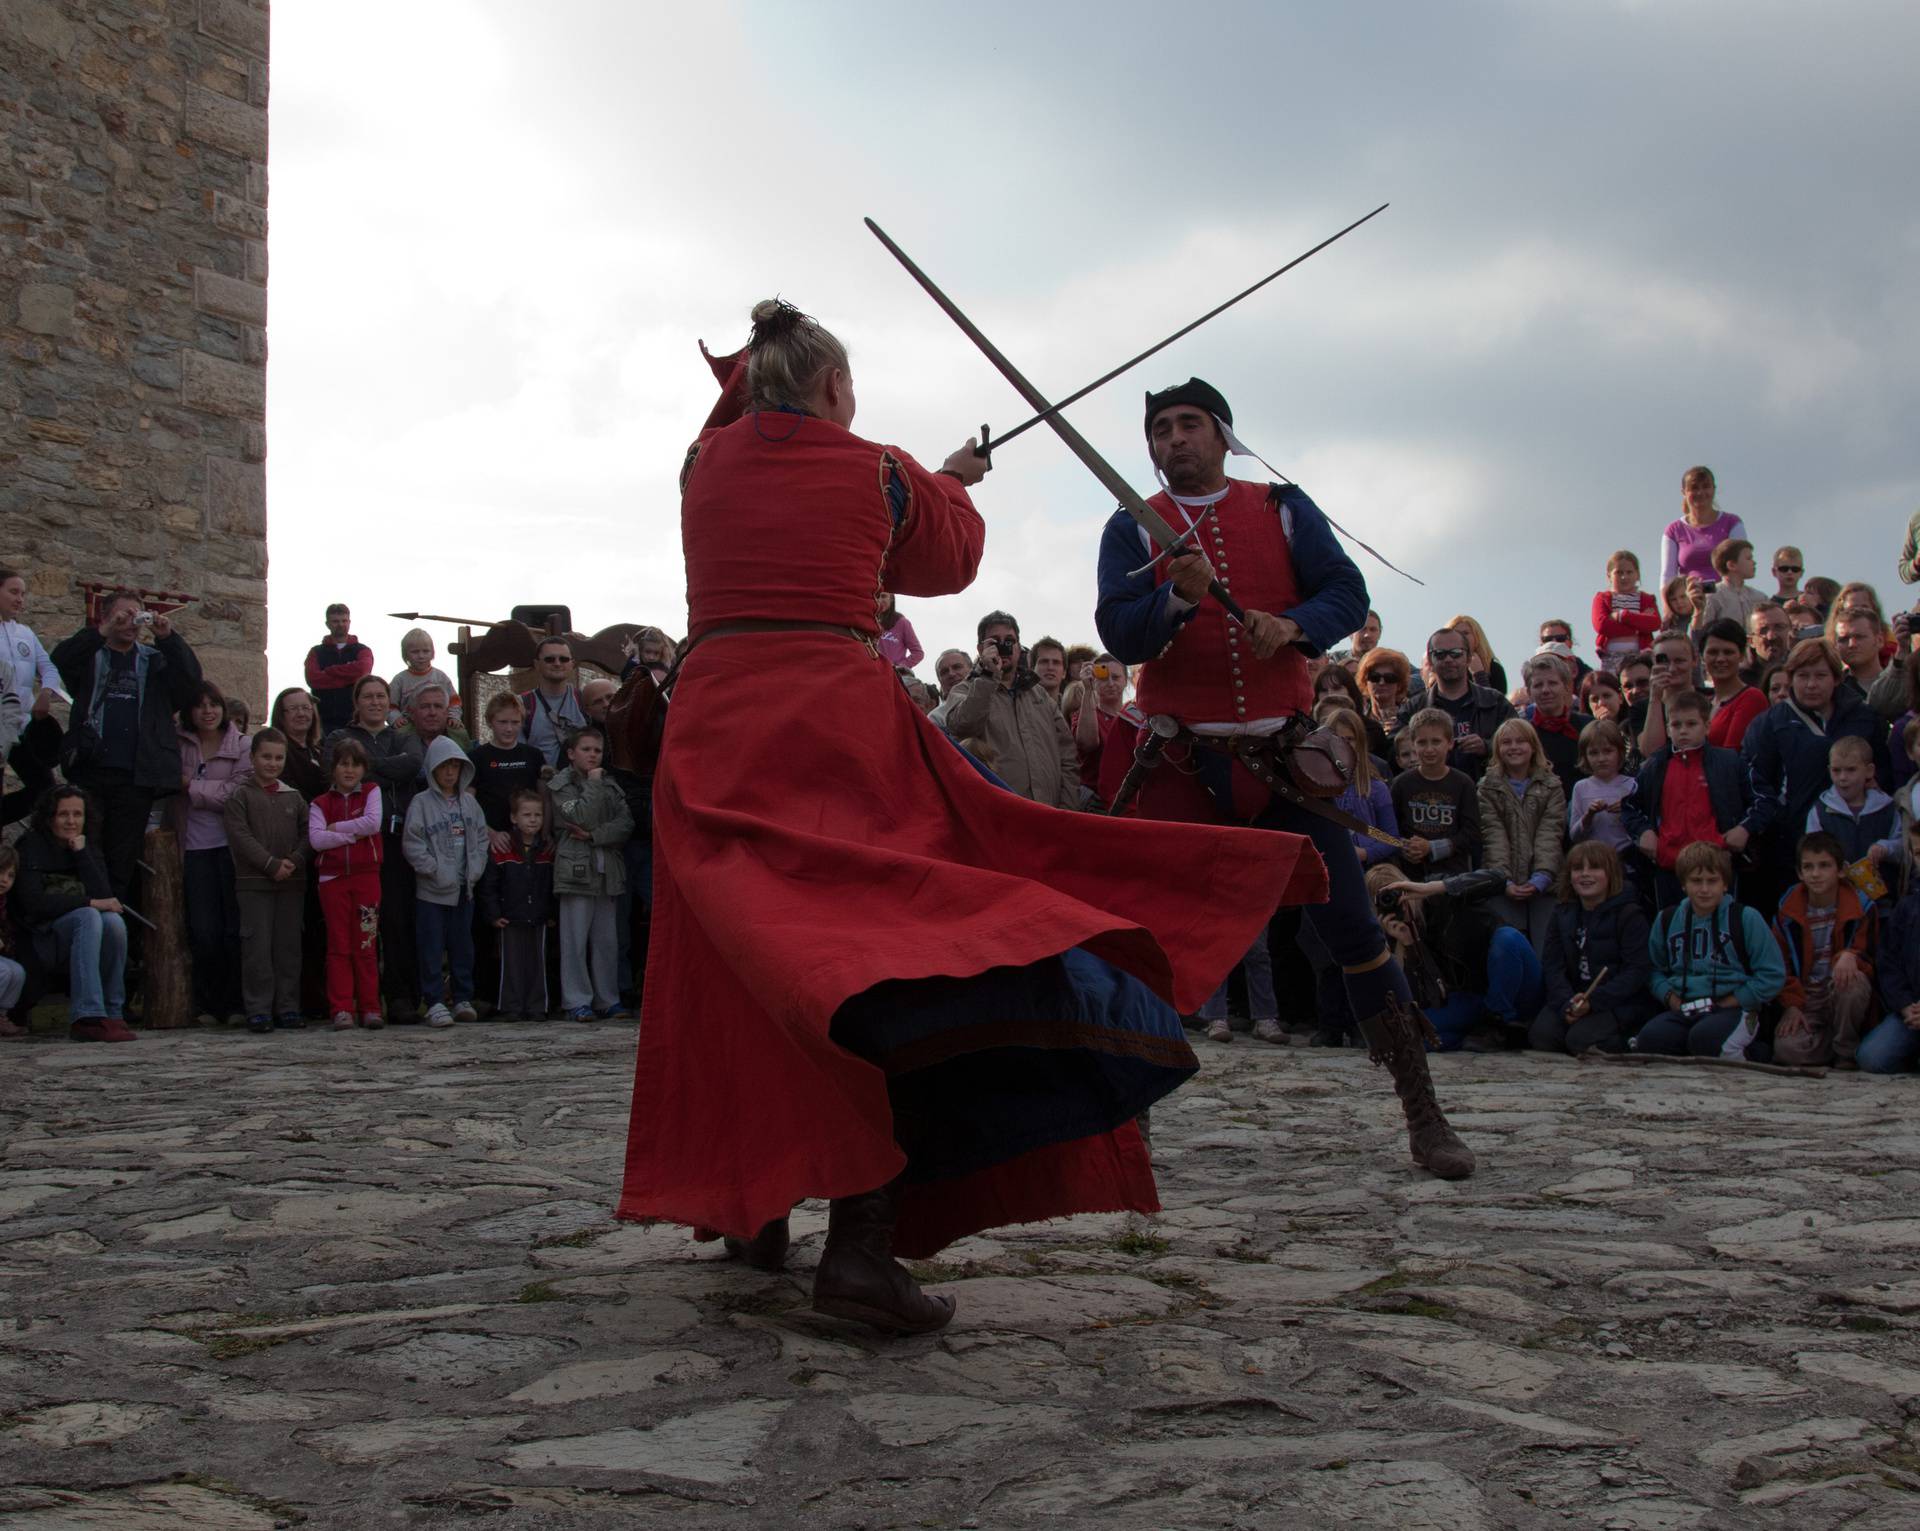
{"x":199,"y":813}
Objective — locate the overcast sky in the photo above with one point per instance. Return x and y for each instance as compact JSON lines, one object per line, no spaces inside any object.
{"x":1624,"y":238}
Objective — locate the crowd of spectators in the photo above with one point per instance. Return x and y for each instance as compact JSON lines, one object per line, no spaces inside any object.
{"x":1702,"y":840}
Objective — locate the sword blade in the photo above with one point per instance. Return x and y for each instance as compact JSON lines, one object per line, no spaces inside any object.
{"x":1143,"y":513}
{"x":1127,"y":366}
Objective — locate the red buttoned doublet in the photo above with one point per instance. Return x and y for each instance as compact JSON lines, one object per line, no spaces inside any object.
{"x":1208,"y":673}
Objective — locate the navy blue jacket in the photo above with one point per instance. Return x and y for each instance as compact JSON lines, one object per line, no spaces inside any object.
{"x":1787,"y":759}
{"x":1898,"y":965}
{"x":1132,"y":612}
{"x":1728,"y":790}
{"x":1616,"y":939}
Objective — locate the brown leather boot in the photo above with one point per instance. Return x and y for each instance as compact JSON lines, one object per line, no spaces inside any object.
{"x":858,"y":1277}
{"x":1397,"y":1037}
{"x":766,"y":1250}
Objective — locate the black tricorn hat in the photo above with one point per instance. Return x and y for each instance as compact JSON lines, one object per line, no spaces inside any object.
{"x":1193,"y":391}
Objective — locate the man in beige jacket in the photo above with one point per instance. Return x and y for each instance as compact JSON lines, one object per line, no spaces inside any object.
{"x":1001,"y":712}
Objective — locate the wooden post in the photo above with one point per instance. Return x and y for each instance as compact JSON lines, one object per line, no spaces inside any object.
{"x":169,"y":980}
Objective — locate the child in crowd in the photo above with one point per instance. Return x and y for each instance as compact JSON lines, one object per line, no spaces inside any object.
{"x":1367,"y":797}
{"x":13,"y":977}
{"x":445,"y":842}
{"x":1682,"y":615}
{"x":1789,"y":563}
{"x":267,"y":832}
{"x":1687,"y":792}
{"x":1733,"y":599}
{"x":516,"y":901}
{"x":1434,"y":804}
{"x":1523,"y":819}
{"x":1401,"y":745}
{"x":1625,"y":617}
{"x":239,"y":716}
{"x":1895,"y":1042}
{"x":505,"y":767}
{"x":591,"y":823}
{"x":416,"y":648}
{"x":1714,"y":965}
{"x":344,"y":829}
{"x":1593,"y":813}
{"x":1596,"y":967}
{"x":1863,"y":821}
{"x":1827,"y":936}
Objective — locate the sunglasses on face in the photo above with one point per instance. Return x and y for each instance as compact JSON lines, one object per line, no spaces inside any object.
{"x":1446,"y":653}
{"x":1556,"y":637}
{"x":1788,"y":568}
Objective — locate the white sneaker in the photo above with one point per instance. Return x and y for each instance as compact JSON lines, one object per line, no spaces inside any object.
{"x":1219,"y":1031}
{"x":343,"y":1021}
{"x":1269,"y":1031}
{"x":439,"y":1015}
{"x":464,"y":1012}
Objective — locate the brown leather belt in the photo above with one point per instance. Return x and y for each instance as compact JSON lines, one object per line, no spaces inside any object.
{"x":766,"y":625}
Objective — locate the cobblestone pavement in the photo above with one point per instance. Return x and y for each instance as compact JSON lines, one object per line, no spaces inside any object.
{"x":371,"y":1280}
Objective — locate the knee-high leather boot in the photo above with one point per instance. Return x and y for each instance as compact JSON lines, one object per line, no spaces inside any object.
{"x":858,"y":1277}
{"x":766,"y":1250}
{"x":1397,"y":1037}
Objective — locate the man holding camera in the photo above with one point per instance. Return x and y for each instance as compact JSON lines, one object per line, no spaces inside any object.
{"x":1241,"y":687}
{"x":122,"y":745}
{"x":1002,"y":704}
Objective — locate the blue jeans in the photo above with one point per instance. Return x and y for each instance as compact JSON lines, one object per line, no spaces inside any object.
{"x":1261,"y":1005}
{"x":13,"y":983}
{"x":1515,"y":988}
{"x":94,"y":947}
{"x":1889,"y":1048}
{"x":443,"y":938}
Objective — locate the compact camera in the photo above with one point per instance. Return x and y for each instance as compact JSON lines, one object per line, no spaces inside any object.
{"x":1006,"y":646}
{"x":145,"y":619}
{"x":1693,"y":1009}
{"x":1103,"y":672}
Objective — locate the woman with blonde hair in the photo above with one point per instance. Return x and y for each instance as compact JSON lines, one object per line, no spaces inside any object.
{"x":1523,"y":825}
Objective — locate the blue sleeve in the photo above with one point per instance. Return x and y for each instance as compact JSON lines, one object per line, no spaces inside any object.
{"x":1380,"y":799}
{"x":1132,"y":616}
{"x":1333,"y":603}
{"x":1764,"y":962}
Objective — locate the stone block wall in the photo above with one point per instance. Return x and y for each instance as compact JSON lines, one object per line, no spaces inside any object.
{"x":133,"y":308}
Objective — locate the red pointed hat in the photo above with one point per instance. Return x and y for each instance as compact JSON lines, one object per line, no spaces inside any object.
{"x":730,"y":372}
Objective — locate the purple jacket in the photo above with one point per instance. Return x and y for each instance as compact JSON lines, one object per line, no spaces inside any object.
{"x":199,"y":813}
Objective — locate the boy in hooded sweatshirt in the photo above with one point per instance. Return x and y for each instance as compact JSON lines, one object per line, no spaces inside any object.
{"x":1863,"y":821}
{"x":591,"y":824}
{"x":1714,"y":964}
{"x":1827,"y":935}
{"x":445,"y":842}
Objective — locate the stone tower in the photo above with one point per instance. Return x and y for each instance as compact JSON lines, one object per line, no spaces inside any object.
{"x":133,"y":310}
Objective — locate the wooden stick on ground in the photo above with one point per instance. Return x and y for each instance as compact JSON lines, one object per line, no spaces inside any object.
{"x":1594,"y":1055}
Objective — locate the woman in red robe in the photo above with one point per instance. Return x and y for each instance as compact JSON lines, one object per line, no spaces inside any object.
{"x":875,"y":976}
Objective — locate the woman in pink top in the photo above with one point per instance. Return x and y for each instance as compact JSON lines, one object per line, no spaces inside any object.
{"x":212,"y":754}
{"x":1687,"y":548}
{"x":897,"y":643}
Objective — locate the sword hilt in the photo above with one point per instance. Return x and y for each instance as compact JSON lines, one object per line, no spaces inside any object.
{"x":985,"y":450}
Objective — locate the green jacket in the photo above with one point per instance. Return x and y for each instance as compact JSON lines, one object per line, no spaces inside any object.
{"x":594,"y":866}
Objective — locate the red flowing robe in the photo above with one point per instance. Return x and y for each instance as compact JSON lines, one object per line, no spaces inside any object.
{"x":814,"y":835}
